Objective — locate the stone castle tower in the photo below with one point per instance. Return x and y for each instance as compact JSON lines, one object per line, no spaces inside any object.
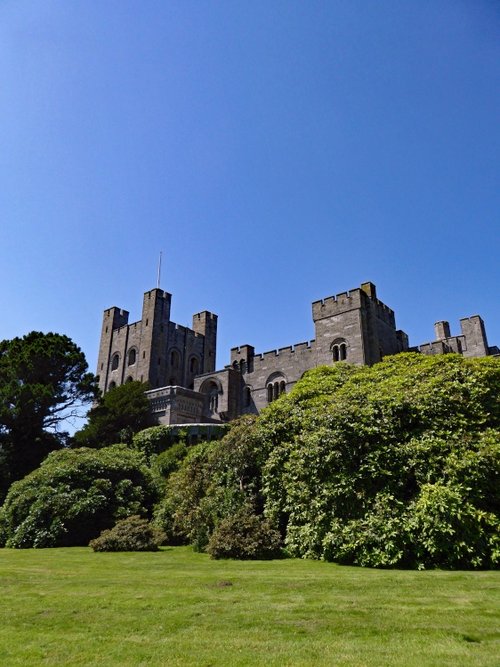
{"x":179,"y":363}
{"x":154,"y":349}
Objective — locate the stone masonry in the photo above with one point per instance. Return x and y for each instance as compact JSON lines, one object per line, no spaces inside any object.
{"x":179,"y":363}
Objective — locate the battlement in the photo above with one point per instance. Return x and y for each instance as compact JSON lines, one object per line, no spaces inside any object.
{"x":115,"y":317}
{"x":335,"y":305}
{"x":284,"y":351}
{"x":205,"y":315}
{"x":351,"y":300}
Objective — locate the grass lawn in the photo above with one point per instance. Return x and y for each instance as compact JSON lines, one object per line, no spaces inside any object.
{"x":75,"y":607}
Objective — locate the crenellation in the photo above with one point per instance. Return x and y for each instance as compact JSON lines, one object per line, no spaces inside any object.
{"x":179,"y":363}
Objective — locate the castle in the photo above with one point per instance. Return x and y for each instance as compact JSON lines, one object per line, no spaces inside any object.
{"x":179,"y":363}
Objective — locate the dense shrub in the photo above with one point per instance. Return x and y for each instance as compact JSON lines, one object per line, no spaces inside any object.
{"x":213,"y":482}
{"x":74,"y":495}
{"x":130,"y":534}
{"x":395,"y":464}
{"x":244,"y":536}
{"x":154,"y":440}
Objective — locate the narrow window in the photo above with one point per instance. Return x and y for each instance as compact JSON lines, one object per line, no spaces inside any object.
{"x":132,"y":356}
{"x":247,"y":397}
{"x":114,"y":362}
{"x":112,"y":385}
{"x":269,"y":393}
{"x":282,"y":387}
{"x":343,"y":351}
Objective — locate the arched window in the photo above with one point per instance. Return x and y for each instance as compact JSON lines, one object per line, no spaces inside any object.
{"x":212,"y":389}
{"x":175,"y":359}
{"x":115,"y":361}
{"x":193,"y":365}
{"x":339,"y":350}
{"x":276,"y":385}
{"x":129,"y":379}
{"x":132,"y":356}
{"x":111,"y":385}
{"x":247,"y":397}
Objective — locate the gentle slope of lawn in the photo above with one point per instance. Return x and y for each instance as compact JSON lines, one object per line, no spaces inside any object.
{"x":75,"y":607}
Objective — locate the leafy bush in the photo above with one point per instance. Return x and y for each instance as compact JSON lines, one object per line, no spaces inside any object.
{"x":74,"y":495}
{"x":395,"y":464}
{"x":213,"y":482}
{"x":245,"y":536}
{"x":130,"y":534}
{"x":153,"y":440}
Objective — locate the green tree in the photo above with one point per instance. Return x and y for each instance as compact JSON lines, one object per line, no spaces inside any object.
{"x":74,"y":495}
{"x":120,"y":413}
{"x":44,"y":380}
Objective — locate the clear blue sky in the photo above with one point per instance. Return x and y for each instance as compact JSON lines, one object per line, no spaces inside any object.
{"x":276,"y":152}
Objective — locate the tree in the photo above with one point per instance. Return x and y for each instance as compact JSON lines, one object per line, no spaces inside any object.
{"x":120,"y":413}
{"x":74,"y":495}
{"x":44,"y":380}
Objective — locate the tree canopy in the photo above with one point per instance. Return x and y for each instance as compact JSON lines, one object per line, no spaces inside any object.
{"x":119,"y":414}
{"x":44,"y":380}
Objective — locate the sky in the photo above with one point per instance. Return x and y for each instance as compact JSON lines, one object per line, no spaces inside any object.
{"x":275,"y":152}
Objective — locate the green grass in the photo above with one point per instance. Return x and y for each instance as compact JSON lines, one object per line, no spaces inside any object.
{"x":75,"y":607}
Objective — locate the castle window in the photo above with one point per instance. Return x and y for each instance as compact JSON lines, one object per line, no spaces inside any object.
{"x":112,"y":385}
{"x":247,"y":397}
{"x":276,"y":385}
{"x":115,"y":361}
{"x":132,"y":357}
{"x":193,"y":365}
{"x":339,"y":350}
{"x":175,"y":359}
{"x":129,"y":379}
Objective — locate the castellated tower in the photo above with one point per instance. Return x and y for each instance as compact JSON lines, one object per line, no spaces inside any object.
{"x":357,"y":327}
{"x":154,"y":349}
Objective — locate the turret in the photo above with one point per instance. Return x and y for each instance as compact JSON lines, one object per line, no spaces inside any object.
{"x":205,"y":323}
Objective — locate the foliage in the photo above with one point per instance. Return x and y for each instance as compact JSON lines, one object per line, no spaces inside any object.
{"x":244,"y":536}
{"x":131,"y":534}
{"x":43,"y":380}
{"x":74,"y":495}
{"x":395,"y":464}
{"x":169,"y":461}
{"x":213,"y":482}
{"x":120,"y":413}
{"x":154,"y":440}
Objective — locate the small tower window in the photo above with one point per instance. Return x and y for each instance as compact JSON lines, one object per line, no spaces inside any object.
{"x":175,"y":359}
{"x":115,"y":361}
{"x":247,"y":397}
{"x":193,"y":365}
{"x":132,"y":357}
{"x":339,"y":350}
